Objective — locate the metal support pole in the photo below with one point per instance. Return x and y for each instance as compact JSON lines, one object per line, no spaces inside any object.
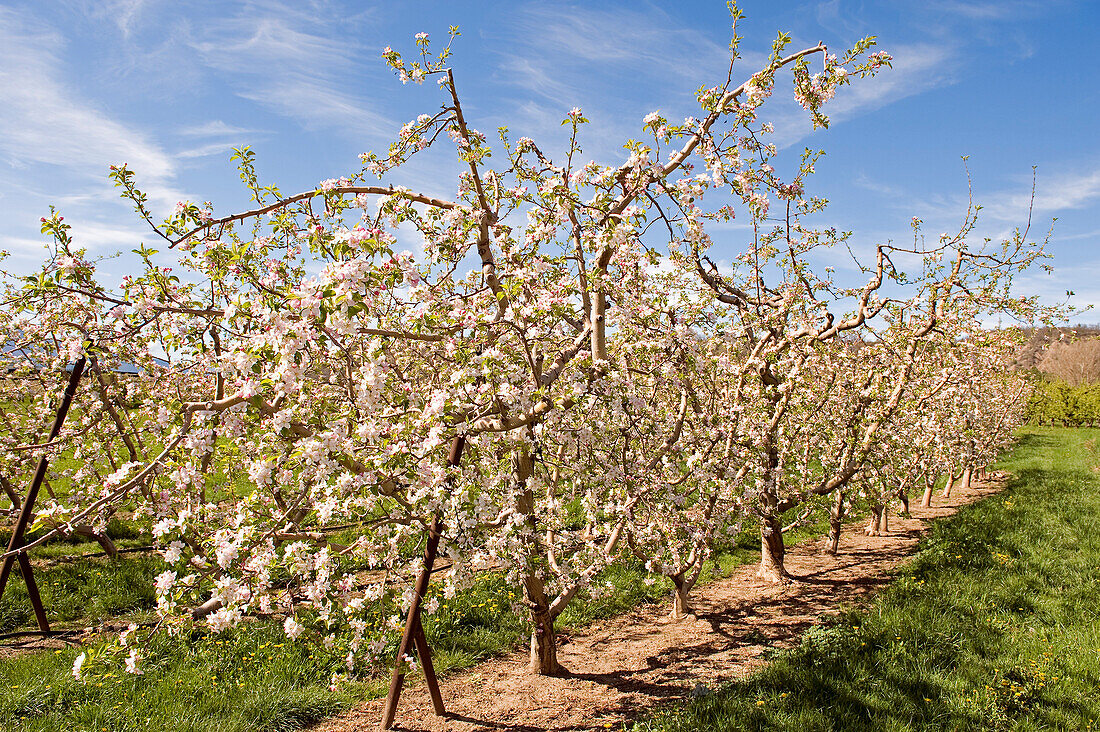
{"x":414,"y":631}
{"x":27,"y":512}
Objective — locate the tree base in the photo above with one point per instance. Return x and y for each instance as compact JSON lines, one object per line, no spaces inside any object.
{"x":774,"y":575}
{"x":558,"y":672}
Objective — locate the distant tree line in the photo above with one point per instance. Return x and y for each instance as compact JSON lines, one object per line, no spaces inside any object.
{"x":1066,"y":367}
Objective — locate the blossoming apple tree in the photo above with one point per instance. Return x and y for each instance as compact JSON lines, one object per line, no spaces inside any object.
{"x":611,"y":391}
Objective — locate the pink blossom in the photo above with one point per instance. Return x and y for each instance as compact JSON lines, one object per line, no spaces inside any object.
{"x":292,"y":628}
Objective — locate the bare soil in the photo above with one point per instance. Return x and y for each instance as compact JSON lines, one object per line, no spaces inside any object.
{"x":23,"y":642}
{"x":622,"y":668}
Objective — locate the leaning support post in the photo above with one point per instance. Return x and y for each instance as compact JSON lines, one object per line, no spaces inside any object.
{"x":414,"y":637}
{"x":27,"y":511}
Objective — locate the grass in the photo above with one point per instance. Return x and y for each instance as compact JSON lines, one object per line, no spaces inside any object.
{"x":78,"y":591}
{"x":251,"y":678}
{"x":994,"y":625}
{"x":248,"y":678}
{"x":83,"y":593}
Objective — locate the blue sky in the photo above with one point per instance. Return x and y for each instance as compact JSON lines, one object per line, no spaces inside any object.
{"x":169,"y":88}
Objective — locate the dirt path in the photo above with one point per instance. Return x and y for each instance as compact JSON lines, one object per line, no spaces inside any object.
{"x":623,"y":667}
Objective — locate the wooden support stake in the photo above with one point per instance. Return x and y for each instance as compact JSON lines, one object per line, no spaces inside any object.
{"x":27,"y":511}
{"x":414,"y":631}
{"x":425,"y":655}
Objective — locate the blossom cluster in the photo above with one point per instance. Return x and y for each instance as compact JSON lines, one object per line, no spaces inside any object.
{"x":300,"y":379}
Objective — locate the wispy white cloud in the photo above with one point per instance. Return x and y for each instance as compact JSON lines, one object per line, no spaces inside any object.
{"x":268,"y":54}
{"x":567,"y":49}
{"x":540,"y":81}
{"x":1093,"y":235}
{"x":271,"y":41}
{"x":877,"y":186}
{"x":319,"y":104}
{"x":205,"y":151}
{"x":44,"y":120}
{"x":617,"y":64}
{"x":50,"y":131}
{"x":833,"y":16}
{"x":1061,"y":192}
{"x":1053,"y":287}
{"x":24,"y":248}
{"x":123,"y":14}
{"x":217,"y":128}
{"x":106,"y":238}
{"x":562,"y":44}
{"x":98,"y":236}
{"x":637,"y":39}
{"x":218,"y":138}
{"x":984,"y":10}
{"x":916,"y":68}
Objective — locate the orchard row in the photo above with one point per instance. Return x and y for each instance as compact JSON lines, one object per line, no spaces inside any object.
{"x":624,"y":386}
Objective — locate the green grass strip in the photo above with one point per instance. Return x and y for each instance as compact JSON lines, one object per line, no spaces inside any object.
{"x":994,"y":624}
